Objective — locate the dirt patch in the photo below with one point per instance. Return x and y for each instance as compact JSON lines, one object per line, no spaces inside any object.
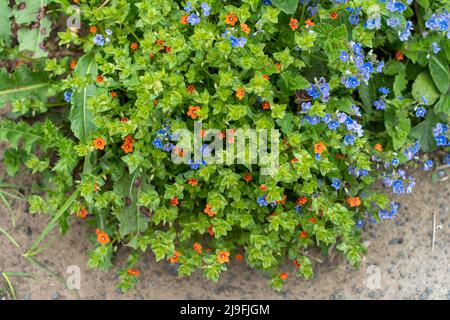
{"x":399,"y":256}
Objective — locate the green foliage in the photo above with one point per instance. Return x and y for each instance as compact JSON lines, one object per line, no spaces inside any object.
{"x":100,"y":130}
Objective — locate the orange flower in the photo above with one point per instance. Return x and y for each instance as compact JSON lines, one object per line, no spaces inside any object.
{"x":296,"y":263}
{"x":190,"y":88}
{"x":378,"y":147}
{"x":193,"y":182}
{"x":134,"y":272}
{"x":124,"y":119}
{"x":248,"y":177}
{"x":319,"y":148}
{"x":313,"y":220}
{"x":160,"y":42}
{"x":93,"y":29}
{"x":168,"y":49}
{"x":293,"y":23}
{"x":202,"y":133}
{"x":283,"y":276}
{"x":73,"y":64}
{"x":334,"y":15}
{"x":208,"y":210}
{"x":134,"y":46}
{"x":354,"y":201}
{"x":174,"y":258}
{"x":266,"y":77}
{"x":303,"y":234}
{"x":240,"y":93}
{"x":155,"y":102}
{"x":129,"y":139}
{"x":192,"y":112}
{"x":399,"y":56}
{"x":82,"y":213}
{"x":223,"y":257}
{"x":301,"y":201}
{"x":245,"y":28}
{"x":231,"y":19}
{"x":263,"y":187}
{"x":174,"y":202}
{"x":99,"y":143}
{"x":239,"y":257}
{"x":127,"y":147}
{"x":211,"y":230}
{"x":113,"y":94}
{"x":102,"y":237}
{"x":151,"y":56}
{"x":100,"y":79}
{"x":198,"y":248}
{"x":278,"y":66}
{"x":309,"y":23}
{"x":221,"y":135}
{"x":266,"y":105}
{"x":294,"y":160}
{"x":184,"y":19}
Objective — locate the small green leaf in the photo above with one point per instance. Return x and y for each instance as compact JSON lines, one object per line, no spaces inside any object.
{"x":288,"y":6}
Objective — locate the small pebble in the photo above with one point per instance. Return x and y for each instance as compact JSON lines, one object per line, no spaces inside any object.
{"x":56,"y":296}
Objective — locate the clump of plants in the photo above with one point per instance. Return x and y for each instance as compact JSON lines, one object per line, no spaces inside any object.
{"x":358,"y":92}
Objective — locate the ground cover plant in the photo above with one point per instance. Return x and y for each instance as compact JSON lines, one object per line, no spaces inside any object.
{"x":97,"y":91}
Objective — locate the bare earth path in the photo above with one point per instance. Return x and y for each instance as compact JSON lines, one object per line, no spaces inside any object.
{"x":399,"y":252}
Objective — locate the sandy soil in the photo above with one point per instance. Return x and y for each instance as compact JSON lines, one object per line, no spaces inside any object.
{"x":399,"y":256}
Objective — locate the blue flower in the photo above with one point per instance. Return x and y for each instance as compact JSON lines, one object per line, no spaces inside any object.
{"x":262,"y":201}
{"x":193,"y":19}
{"x":241,"y":42}
{"x":350,"y":82}
{"x":157,"y":143}
{"x":206,"y":9}
{"x":326,"y":118}
{"x":234,"y":42}
{"x":395,"y":162}
{"x":427,"y":165}
{"x":441,"y":140}
{"x":333,"y":125}
{"x":436,"y":48}
{"x":360,"y":224}
{"x":99,"y":40}
{"x":349,"y":139}
{"x":336,"y":183}
{"x":317,"y":156}
{"x":393,"y":22}
{"x":384,"y":90}
{"x":344,"y":56}
{"x":379,"y":105}
{"x":420,"y":113}
{"x":267,"y":2}
{"x":68,"y":96}
{"x":108,"y":32}
{"x":298,"y":208}
{"x":398,"y":187}
{"x":188,"y":7}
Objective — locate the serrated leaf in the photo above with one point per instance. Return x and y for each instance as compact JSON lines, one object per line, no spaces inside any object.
{"x":22,"y":83}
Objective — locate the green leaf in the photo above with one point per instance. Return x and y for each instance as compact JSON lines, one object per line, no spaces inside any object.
{"x":443,"y":105}
{"x":424,"y":87}
{"x":424,"y":132}
{"x":22,"y":83}
{"x":5,"y":23}
{"x":288,"y":6}
{"x":440,"y":74}
{"x":80,"y":117}
{"x":400,"y":83}
{"x":32,"y":40}
{"x":26,"y":14}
